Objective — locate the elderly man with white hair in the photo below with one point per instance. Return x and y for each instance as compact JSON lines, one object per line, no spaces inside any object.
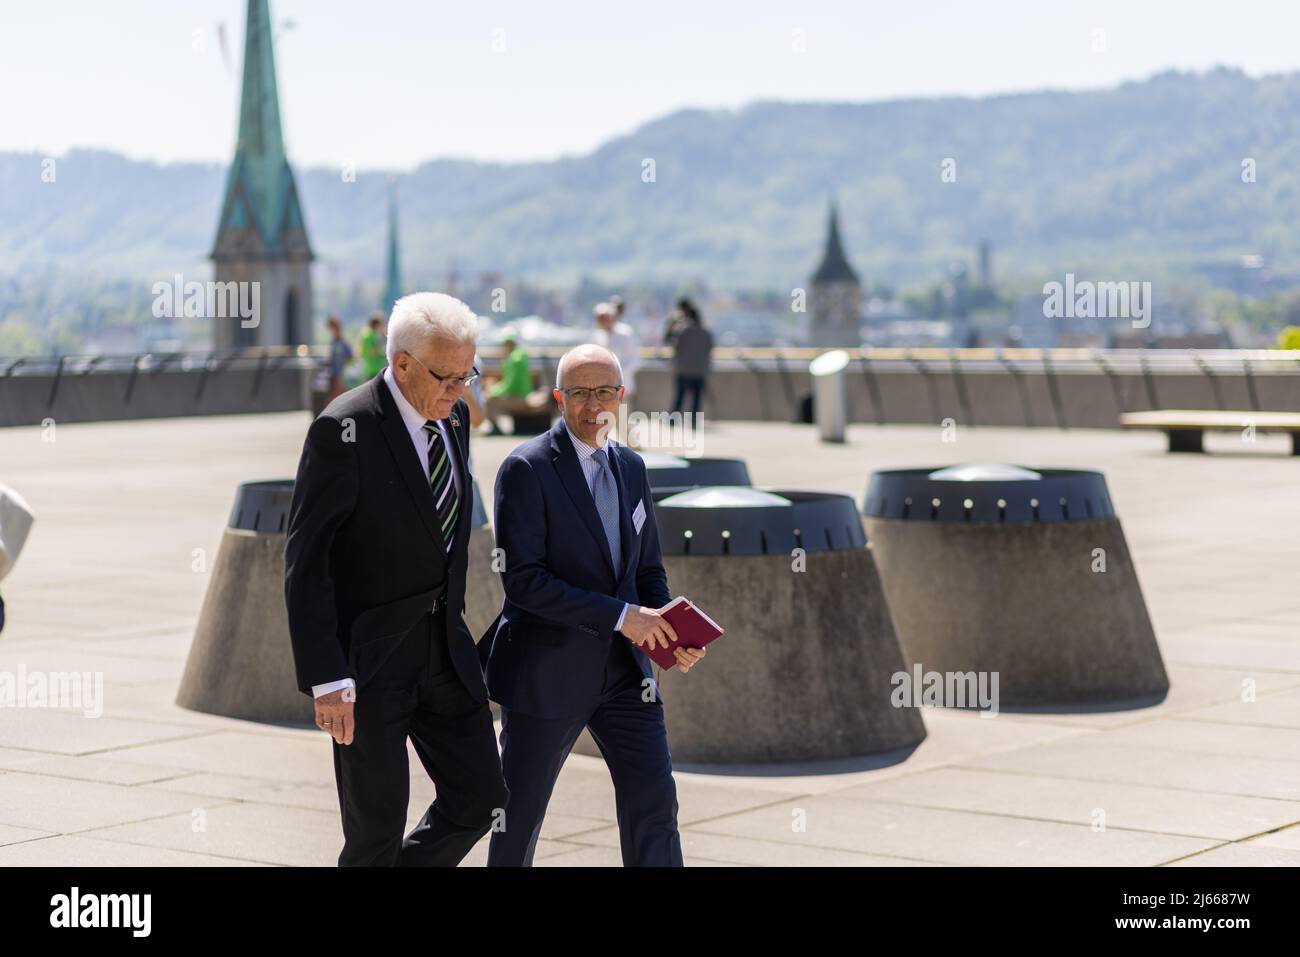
{"x":584,"y":587}
{"x":375,"y":563}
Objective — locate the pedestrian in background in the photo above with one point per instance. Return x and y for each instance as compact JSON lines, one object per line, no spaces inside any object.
{"x":692,"y":355}
{"x":509,"y":394}
{"x":340,"y":356}
{"x":373,"y":359}
{"x":619,"y":338}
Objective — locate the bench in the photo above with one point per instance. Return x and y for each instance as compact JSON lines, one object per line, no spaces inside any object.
{"x":1186,"y":428}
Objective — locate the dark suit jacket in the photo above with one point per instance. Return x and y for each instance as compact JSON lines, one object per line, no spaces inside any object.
{"x":545,"y":654}
{"x":363,"y":558}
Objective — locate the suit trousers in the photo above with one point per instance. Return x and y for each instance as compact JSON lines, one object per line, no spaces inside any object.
{"x":416,"y":693}
{"x":633,"y":739}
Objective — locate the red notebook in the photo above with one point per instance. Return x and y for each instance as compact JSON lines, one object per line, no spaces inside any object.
{"x":694,"y":630}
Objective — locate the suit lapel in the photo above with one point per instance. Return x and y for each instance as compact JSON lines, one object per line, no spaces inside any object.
{"x":575,"y":486}
{"x":404,"y":454}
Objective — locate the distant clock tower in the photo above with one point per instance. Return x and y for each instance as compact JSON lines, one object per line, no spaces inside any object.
{"x":836,"y":295}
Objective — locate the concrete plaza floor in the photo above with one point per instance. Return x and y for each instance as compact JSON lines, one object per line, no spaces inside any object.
{"x":129,"y":516}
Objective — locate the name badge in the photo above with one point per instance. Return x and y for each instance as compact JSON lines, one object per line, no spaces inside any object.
{"x":638,"y":516}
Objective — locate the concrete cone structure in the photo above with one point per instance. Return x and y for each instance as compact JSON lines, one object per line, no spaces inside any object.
{"x":668,"y":474}
{"x":804,"y":671}
{"x":484,"y":594}
{"x":241,"y":660}
{"x":240,"y":663}
{"x":1019,"y":572}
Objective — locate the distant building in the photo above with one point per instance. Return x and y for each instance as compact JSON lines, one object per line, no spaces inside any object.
{"x":393,"y":285}
{"x":261,"y":235}
{"x":836,"y":295}
{"x":986,"y":263}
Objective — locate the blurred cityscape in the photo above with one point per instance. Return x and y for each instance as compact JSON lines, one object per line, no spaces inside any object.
{"x":54,"y":313}
{"x":69,"y":288}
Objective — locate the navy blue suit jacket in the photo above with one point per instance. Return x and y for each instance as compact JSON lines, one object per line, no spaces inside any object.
{"x":545,"y":654}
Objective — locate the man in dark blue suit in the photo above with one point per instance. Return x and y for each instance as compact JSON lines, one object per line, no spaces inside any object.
{"x":584,"y":583}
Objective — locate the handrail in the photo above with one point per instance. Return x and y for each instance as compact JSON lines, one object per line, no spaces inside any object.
{"x":1201,"y":362}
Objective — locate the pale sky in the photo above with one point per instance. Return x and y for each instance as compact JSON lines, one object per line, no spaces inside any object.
{"x":391,"y":83}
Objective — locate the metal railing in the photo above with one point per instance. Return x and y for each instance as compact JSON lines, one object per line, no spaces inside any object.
{"x":784,"y":363}
{"x":207,"y":365}
{"x":781,"y":360}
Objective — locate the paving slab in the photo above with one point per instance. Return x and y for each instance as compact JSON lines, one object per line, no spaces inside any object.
{"x":288,"y":758}
{"x":700,"y":845}
{"x":72,"y":732}
{"x":56,"y":805}
{"x":1094,"y":803}
{"x":1277,"y":710}
{"x":1182,"y":733}
{"x":952,"y":837}
{"x":1242,"y":855}
{"x":1098,"y":760}
{"x":77,"y":850}
{"x":248,"y":832}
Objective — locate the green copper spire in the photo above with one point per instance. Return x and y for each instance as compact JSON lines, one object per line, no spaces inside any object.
{"x":393,"y":288}
{"x":259,"y":109}
{"x":260,"y":214}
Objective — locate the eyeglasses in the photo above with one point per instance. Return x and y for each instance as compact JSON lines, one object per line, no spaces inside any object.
{"x":449,"y":379}
{"x":604,"y":393}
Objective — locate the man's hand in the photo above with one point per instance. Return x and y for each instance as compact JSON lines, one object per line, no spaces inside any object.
{"x":686,"y":657}
{"x":334,"y":714}
{"x":644,"y":626}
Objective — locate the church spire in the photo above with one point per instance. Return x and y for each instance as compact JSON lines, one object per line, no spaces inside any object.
{"x":393,"y":286}
{"x":835,"y":265}
{"x":259,"y":107}
{"x":261,"y":236}
{"x":260,"y":213}
{"x":837,"y":295}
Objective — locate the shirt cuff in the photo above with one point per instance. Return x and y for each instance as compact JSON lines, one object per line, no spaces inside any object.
{"x":619,"y":624}
{"x":318,"y":690}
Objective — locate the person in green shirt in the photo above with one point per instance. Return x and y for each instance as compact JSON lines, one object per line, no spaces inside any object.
{"x":509,"y":394}
{"x":372,"y":346}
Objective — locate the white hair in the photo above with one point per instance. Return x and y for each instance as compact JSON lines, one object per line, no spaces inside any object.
{"x":588,"y":352}
{"x":422,"y":316}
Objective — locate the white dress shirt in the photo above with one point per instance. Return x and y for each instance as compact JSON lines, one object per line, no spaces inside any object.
{"x":590,"y":468}
{"x":414,"y":423}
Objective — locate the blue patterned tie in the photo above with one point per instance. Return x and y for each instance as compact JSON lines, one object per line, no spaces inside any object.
{"x":606,"y":495}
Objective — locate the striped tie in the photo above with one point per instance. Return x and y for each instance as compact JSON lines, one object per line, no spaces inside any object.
{"x":440,"y":480}
{"x":606,"y":497}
